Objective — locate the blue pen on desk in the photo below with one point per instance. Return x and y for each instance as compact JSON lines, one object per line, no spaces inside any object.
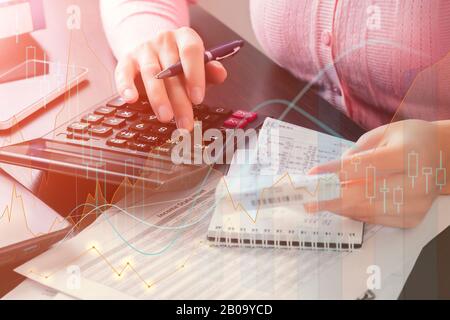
{"x":215,"y":54}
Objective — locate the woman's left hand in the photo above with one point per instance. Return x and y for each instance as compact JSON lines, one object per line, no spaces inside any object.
{"x":405,"y":157}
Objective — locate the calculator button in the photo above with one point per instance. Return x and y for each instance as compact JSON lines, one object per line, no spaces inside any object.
{"x":149,"y":139}
{"x":77,"y":136}
{"x":114,"y":122}
{"x":162,"y":150}
{"x":115,"y":142}
{"x":118,"y":103}
{"x":100,"y":131}
{"x":140,"y":127}
{"x":235,"y":123}
{"x":170,"y":143}
{"x":220,"y":111}
{"x":92,"y":118}
{"x":105,"y":111}
{"x":172,"y":124}
{"x":161,"y":130}
{"x":209,"y":121}
{"x":126,"y":114}
{"x":127,"y":135}
{"x":78,"y":127}
{"x":139,"y":146}
{"x":149,"y":118}
{"x":199,"y":109}
{"x":141,"y":106}
{"x":249,"y":116}
{"x":208,"y":117}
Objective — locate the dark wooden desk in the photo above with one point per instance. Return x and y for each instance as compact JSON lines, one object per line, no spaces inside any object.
{"x":253,"y":78}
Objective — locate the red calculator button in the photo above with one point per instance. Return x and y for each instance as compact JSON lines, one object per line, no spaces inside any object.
{"x":249,"y":116}
{"x":235,"y":123}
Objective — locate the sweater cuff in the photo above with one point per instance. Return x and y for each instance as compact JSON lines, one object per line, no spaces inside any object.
{"x":135,"y":30}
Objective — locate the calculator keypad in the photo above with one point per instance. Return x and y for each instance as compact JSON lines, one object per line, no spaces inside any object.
{"x":93,"y":118}
{"x":105,"y":111}
{"x":136,"y":127}
{"x":100,"y":131}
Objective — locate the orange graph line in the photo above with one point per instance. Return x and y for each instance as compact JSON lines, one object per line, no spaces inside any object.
{"x":68,"y":91}
{"x":119,"y":271}
{"x":8,"y":210}
{"x":403,"y":102}
{"x":239,"y":206}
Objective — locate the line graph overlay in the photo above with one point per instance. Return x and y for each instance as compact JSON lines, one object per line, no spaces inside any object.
{"x":290,"y":105}
{"x":22,"y":215}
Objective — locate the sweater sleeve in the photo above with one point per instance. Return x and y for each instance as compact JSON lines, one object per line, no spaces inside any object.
{"x":129,"y":23}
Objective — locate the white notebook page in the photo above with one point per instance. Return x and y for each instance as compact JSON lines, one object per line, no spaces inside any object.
{"x":289,"y":151}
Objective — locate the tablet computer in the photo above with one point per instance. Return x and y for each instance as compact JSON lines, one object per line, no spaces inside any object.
{"x":31,"y":85}
{"x":27,"y":225}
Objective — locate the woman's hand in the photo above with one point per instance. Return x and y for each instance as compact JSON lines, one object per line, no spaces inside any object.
{"x":174,"y":96}
{"x":406,"y":157}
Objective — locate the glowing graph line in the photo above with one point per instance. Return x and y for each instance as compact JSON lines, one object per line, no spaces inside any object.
{"x":119,"y":271}
{"x":236,"y":205}
{"x":8,"y":211}
{"x":292,"y":104}
{"x":316,"y":121}
{"x":329,"y":66}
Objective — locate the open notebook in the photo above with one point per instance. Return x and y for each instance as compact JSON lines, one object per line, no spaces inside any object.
{"x":259,"y":202}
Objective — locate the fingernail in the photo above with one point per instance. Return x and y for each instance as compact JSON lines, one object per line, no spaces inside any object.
{"x":216,"y":64}
{"x":196,"y":95}
{"x":184,"y":123}
{"x":164,"y":114}
{"x":128,"y":94}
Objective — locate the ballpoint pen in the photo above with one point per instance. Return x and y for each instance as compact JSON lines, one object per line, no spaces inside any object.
{"x":217,"y":53}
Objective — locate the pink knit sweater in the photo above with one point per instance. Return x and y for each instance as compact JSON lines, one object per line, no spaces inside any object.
{"x":363,"y":54}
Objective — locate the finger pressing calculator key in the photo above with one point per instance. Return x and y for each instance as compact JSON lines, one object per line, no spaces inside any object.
{"x":141,"y":106}
{"x":118,"y":102}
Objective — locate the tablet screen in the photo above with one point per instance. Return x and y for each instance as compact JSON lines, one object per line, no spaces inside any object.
{"x":42,"y":81}
{"x":22,"y":215}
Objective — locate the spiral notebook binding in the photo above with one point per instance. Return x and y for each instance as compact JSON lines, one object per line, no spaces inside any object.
{"x":311,"y":240}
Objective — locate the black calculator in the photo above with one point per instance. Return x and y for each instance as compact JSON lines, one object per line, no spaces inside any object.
{"x":116,"y":140}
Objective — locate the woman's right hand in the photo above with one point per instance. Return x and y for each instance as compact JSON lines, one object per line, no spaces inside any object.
{"x":172,"y":97}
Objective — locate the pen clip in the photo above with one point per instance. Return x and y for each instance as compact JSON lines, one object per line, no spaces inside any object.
{"x":235,"y":50}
